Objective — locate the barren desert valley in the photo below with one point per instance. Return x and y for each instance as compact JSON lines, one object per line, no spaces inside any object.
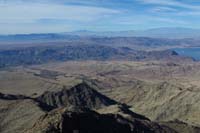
{"x":99,"y":66}
{"x":99,"y":85}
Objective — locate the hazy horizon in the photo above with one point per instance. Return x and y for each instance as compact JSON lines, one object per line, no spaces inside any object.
{"x":105,"y":31}
{"x":51,"y":16}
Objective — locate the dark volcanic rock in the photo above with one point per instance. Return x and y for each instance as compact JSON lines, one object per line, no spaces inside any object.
{"x":87,"y":121}
{"x":81,"y":95}
{"x":19,"y":114}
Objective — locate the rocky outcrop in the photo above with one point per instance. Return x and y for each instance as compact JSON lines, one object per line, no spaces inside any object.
{"x":81,"y":95}
{"x":78,"y":109}
{"x":86,"y":121}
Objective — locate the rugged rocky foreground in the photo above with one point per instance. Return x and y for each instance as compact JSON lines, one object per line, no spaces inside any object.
{"x":79,"y":108}
{"x":87,"y":121}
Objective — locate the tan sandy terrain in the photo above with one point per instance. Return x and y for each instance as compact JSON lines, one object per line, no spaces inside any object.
{"x":162,"y":91}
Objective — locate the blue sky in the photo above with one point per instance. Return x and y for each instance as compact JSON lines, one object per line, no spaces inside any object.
{"x":34,"y":16}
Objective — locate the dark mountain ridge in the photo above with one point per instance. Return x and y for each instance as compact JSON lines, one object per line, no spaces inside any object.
{"x":78,"y":117}
{"x":86,"y":121}
{"x":40,"y":55}
{"x":81,"y":95}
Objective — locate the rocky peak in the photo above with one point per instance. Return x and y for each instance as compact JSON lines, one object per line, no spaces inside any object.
{"x":81,"y":95}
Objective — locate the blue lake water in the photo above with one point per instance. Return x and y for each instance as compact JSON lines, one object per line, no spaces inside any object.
{"x":191,"y":52}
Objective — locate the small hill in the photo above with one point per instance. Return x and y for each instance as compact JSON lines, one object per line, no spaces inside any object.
{"x":81,"y":95}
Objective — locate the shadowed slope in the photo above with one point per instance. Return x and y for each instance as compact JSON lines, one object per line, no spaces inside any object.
{"x":18,"y":115}
{"x":87,"y":121}
{"x":81,"y":95}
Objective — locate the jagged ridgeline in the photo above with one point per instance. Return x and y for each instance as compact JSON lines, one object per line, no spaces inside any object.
{"x":81,"y":95}
{"x":80,"y":108}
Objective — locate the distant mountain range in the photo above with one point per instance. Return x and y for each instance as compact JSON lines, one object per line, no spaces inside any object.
{"x":36,"y":37}
{"x":154,"y":33}
{"x":172,"y":33}
{"x":40,"y":55}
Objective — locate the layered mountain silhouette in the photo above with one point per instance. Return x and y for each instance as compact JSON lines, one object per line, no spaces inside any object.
{"x":163,"y":32}
{"x":40,"y":55}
